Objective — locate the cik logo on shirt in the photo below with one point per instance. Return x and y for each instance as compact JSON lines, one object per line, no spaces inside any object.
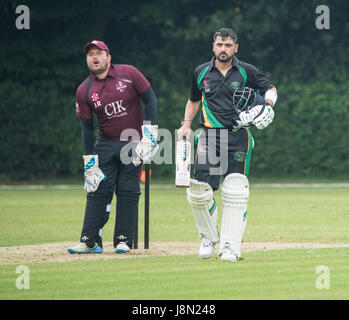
{"x":115,"y":109}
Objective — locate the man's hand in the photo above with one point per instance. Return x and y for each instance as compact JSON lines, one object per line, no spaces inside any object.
{"x":93,"y":175}
{"x":148,"y":146}
{"x":245,"y":119}
{"x":184,"y":131}
{"x":260,"y":116}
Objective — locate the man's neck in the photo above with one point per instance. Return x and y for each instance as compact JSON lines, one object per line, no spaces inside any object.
{"x":224,"y":67}
{"x":102,"y":76}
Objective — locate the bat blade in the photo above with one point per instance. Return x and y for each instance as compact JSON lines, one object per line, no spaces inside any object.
{"x":183,"y":154}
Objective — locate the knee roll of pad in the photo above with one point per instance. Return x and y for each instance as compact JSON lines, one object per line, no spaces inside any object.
{"x":199,"y":194}
{"x":235,"y":189}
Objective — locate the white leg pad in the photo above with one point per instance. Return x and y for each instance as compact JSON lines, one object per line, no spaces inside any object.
{"x":235,"y":194}
{"x":200,"y":197}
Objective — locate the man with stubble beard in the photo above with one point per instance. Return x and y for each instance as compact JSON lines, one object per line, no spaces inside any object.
{"x":225,"y":134}
{"x":112,"y":93}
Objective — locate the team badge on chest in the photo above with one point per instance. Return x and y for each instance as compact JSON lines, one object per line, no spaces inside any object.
{"x":235,"y":84}
{"x":120,"y":86}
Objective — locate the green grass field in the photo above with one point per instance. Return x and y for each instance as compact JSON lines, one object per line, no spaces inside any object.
{"x":286,"y":215}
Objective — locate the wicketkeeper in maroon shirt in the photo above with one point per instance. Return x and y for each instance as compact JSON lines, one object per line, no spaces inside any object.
{"x":126,"y":137}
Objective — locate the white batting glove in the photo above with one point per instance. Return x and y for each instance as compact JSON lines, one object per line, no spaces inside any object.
{"x":148,"y":146}
{"x":264,"y":117}
{"x":93,"y":175}
{"x":245,"y":119}
{"x":260,"y":116}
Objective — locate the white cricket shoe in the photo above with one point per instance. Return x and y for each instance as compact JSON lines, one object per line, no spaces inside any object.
{"x":122,"y":247}
{"x":227,"y":253}
{"x":206,"y":249}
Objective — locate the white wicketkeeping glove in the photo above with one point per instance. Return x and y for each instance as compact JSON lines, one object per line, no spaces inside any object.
{"x":260,"y":116}
{"x":93,"y":175}
{"x":148,"y":146}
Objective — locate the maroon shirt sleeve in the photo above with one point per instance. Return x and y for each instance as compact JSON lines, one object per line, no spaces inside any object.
{"x":140,"y":82}
{"x":83,"y":110}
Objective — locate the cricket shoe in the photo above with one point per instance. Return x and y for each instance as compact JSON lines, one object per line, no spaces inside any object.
{"x":206,"y":249}
{"x":83,"y":248}
{"x":227,"y":253}
{"x":122,"y":247}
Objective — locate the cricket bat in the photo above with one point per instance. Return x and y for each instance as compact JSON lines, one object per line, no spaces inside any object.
{"x":183,"y":149}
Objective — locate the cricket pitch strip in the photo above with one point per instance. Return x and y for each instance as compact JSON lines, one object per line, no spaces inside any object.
{"x":57,"y":252}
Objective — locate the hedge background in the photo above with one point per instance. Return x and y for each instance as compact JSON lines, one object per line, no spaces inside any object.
{"x":40,"y":69}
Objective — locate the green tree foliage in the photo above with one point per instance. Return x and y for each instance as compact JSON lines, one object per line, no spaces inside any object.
{"x":41,"y":68}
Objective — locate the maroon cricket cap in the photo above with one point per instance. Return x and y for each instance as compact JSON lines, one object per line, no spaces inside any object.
{"x":99,"y":44}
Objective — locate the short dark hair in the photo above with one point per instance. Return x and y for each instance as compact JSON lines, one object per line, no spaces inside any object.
{"x":225,"y":33}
